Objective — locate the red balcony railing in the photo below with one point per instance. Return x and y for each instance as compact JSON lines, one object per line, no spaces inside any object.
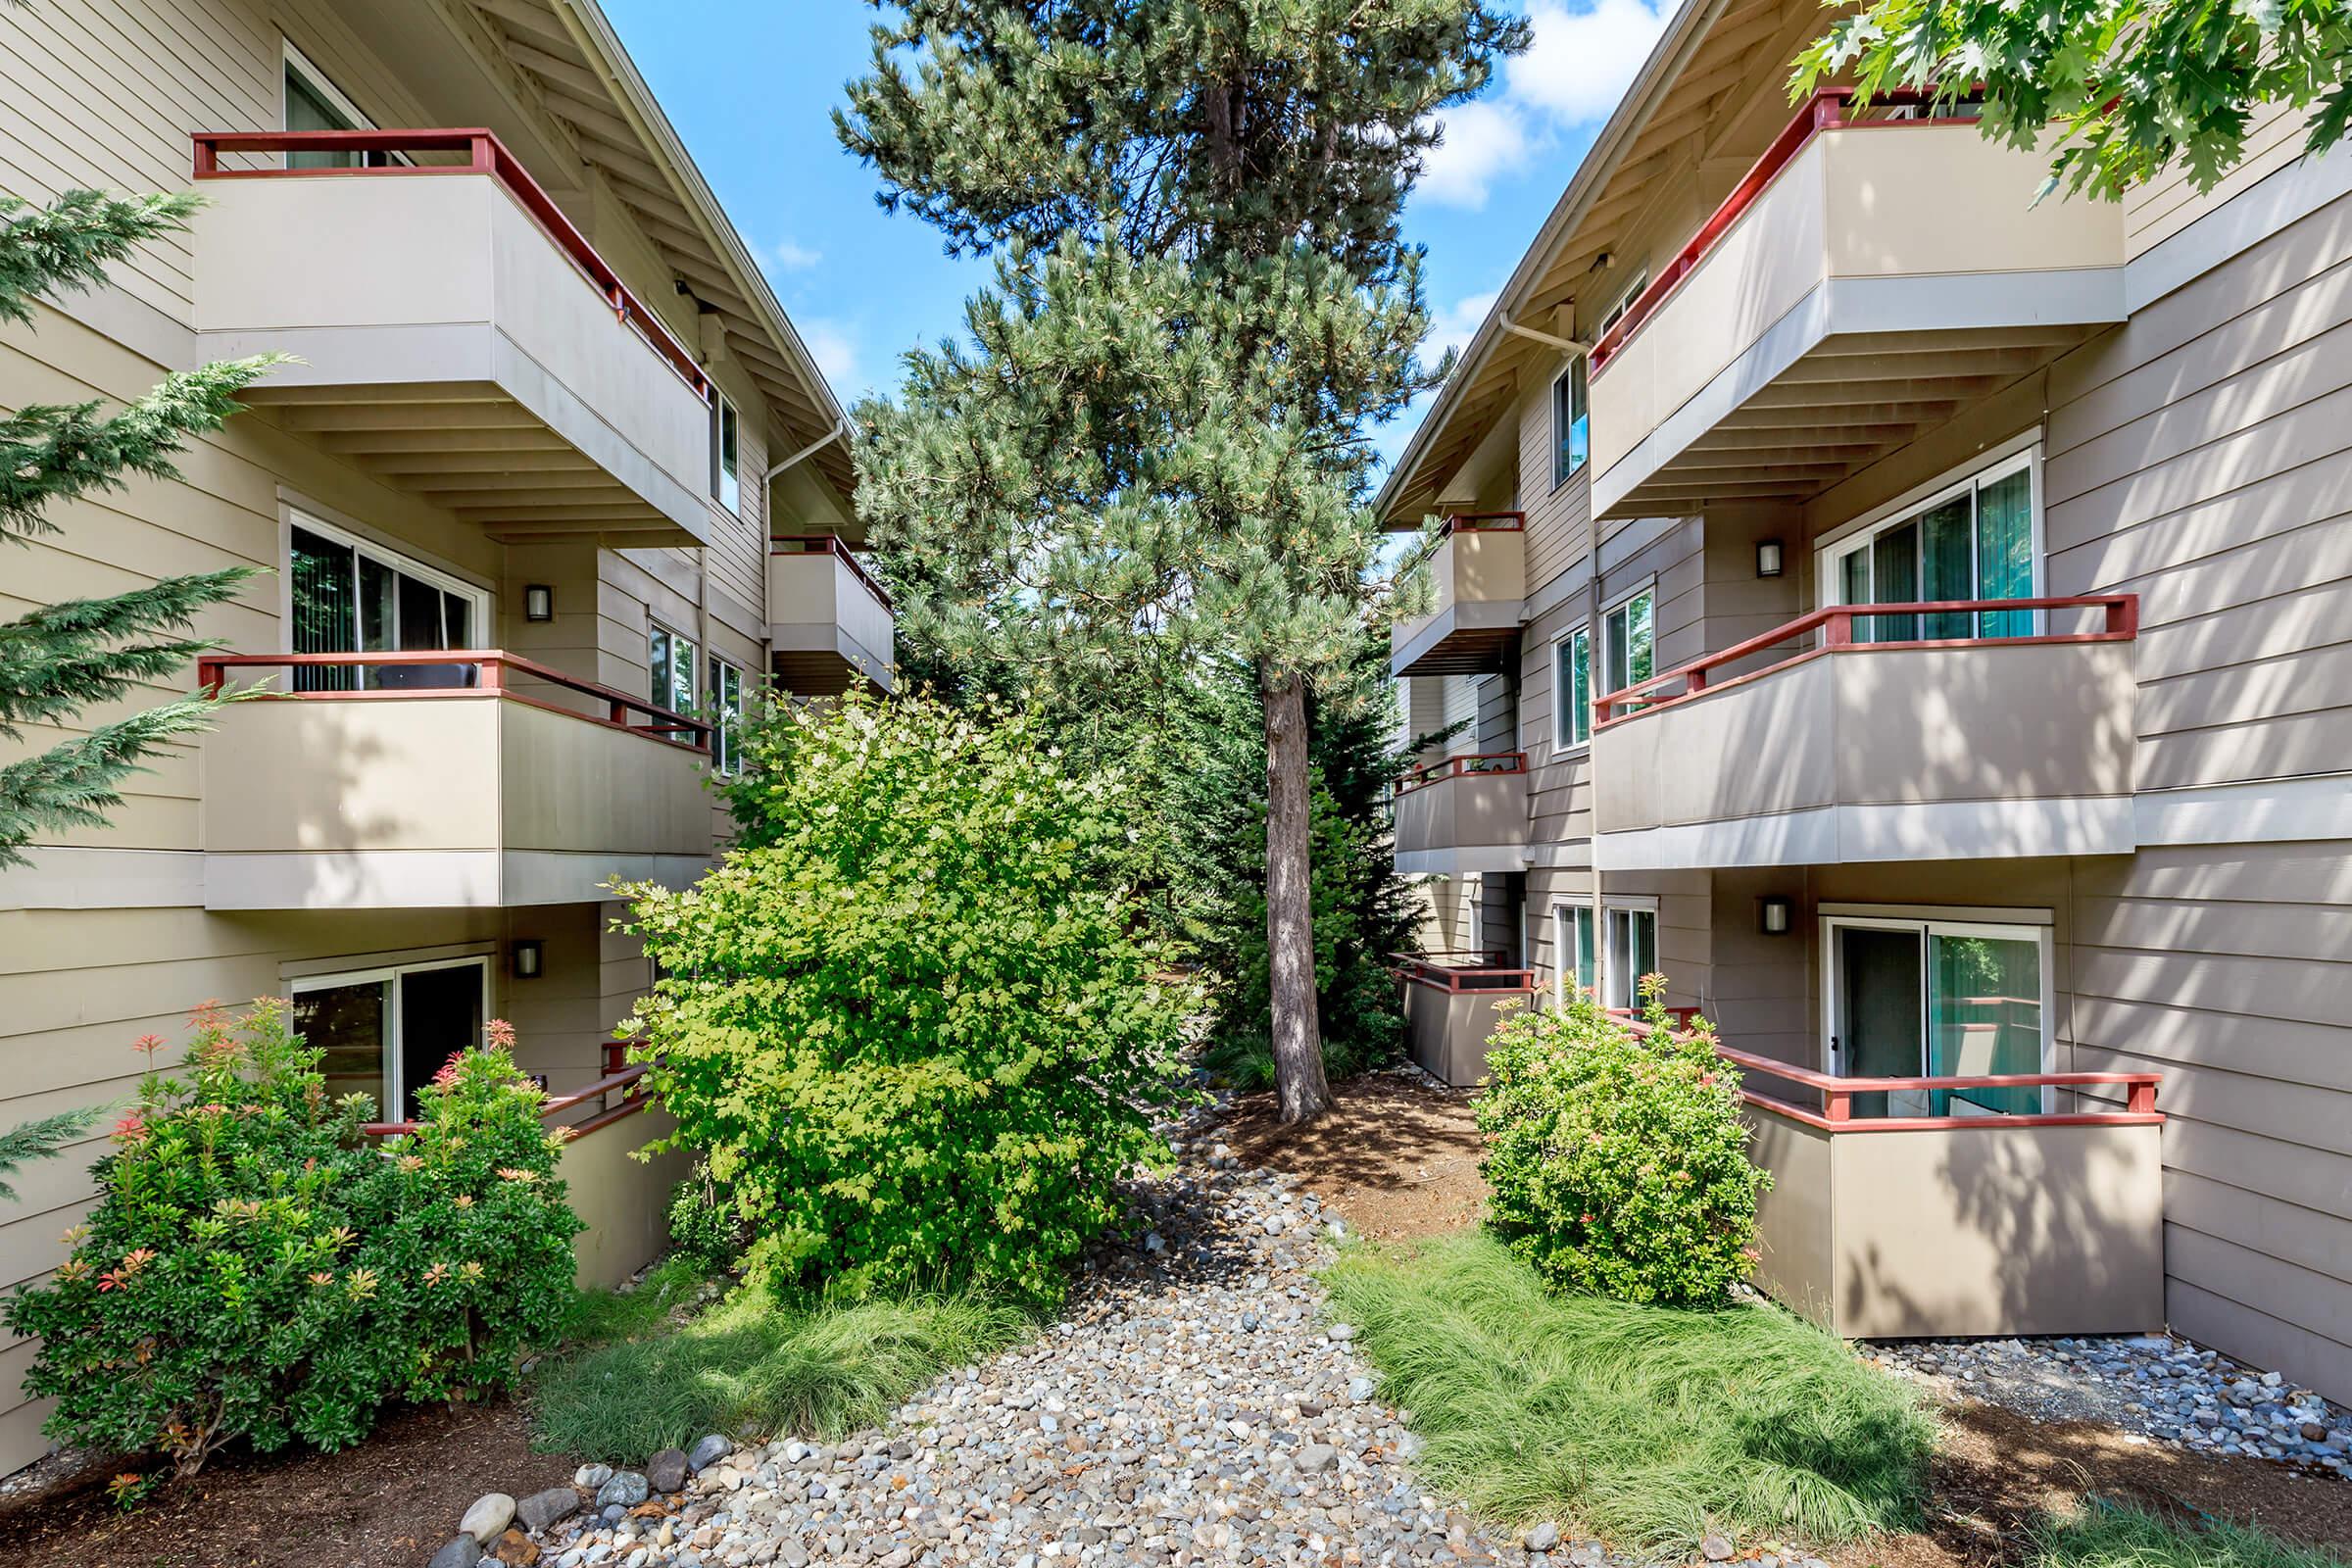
{"x":1836,"y":625}
{"x":1831,"y":108}
{"x":1476,"y":763}
{"x":1484,"y":523}
{"x":1837,"y":1095}
{"x":485,"y":155}
{"x":466,"y":672}
{"x":613,"y":1097}
{"x":1486,"y":974}
{"x":826,"y":544}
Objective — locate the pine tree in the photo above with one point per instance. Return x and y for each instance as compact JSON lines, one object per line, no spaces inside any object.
{"x":64,"y":657}
{"x":1202,"y":304}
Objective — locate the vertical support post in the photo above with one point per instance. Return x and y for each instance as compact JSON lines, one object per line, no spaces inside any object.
{"x":1838,"y":630}
{"x":2142,"y":1102}
{"x":485,"y":156}
{"x":494,"y":676}
{"x":208,"y":157}
{"x":1837,"y":1105}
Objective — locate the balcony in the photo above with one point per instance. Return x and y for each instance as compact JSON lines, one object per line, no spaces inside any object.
{"x":1873,"y":274}
{"x":1463,"y":814}
{"x":1481,"y":570}
{"x":1454,"y":1005}
{"x":829,"y":620}
{"x":1954,"y":1226}
{"x":443,"y":779}
{"x":1838,"y":750}
{"x":455,"y":335}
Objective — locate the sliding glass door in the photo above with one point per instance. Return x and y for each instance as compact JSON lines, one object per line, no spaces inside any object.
{"x":348,"y":597}
{"x":1931,"y":999}
{"x":1975,"y":541}
{"x":386,"y":1031}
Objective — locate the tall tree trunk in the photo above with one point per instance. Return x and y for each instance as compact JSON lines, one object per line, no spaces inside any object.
{"x":1299,"y":1080}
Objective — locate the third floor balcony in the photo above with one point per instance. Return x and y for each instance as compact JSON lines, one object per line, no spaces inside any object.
{"x":456,"y":336}
{"x":1875,"y":272}
{"x":1479,"y":572}
{"x":829,"y":621}
{"x":1879,"y":732}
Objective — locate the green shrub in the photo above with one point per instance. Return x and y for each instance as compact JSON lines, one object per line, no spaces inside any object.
{"x":256,"y":1270}
{"x":471,"y":1232}
{"x":754,"y":1362}
{"x":1619,"y":1162}
{"x":910,"y":1025}
{"x":703,"y":1227}
{"x":1649,"y":1425}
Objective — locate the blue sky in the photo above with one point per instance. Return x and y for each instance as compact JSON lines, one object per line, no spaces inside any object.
{"x":863,"y":285}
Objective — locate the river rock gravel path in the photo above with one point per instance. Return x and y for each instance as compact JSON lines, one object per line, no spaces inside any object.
{"x":1192,"y":1407}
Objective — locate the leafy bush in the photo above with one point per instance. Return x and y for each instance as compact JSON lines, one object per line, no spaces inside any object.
{"x":1650,"y":1425}
{"x":818,"y":1369}
{"x":255,"y":1269}
{"x":1619,"y":1162}
{"x":476,"y":1243}
{"x":2108,"y":1535}
{"x":703,"y":1228}
{"x":911,"y":1025}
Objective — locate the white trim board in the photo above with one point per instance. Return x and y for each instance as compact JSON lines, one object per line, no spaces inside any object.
{"x":68,"y":877}
{"x":1833,"y":835}
{"x":1462,"y":861}
{"x":2281,"y":810}
{"x":430,"y":879}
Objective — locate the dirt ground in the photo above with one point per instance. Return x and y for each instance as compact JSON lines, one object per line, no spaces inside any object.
{"x":1399,"y":1160}
{"x":394,"y":1500}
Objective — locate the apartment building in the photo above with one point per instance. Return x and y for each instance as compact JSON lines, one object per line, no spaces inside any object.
{"x":552,"y":487}
{"x":2080,"y":807}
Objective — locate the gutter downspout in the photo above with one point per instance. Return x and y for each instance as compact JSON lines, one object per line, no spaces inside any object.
{"x":839,"y":432}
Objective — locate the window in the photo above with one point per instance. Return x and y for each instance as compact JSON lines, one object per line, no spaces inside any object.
{"x":1628,"y":643}
{"x":1910,"y":999}
{"x":725,"y":691}
{"x":1625,"y":302}
{"x":1573,"y":954}
{"x":673,"y":670}
{"x":1974,"y":540}
{"x":346,"y":596}
{"x":312,"y":103}
{"x":726,"y":485}
{"x":1632,"y":951}
{"x":1572,"y":689}
{"x":1571,"y":422}
{"x":386,"y":1031}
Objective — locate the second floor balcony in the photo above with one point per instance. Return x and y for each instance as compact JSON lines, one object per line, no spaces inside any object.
{"x":1463,"y":814}
{"x":455,"y":335}
{"x":1479,"y":572}
{"x":829,"y":621}
{"x":443,"y":779}
{"x":1848,"y":735}
{"x":1875,"y":272}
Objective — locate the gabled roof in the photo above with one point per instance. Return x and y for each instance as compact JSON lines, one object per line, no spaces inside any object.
{"x":1710,"y":86}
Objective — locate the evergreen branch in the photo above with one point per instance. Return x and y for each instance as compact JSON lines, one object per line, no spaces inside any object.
{"x":73,"y":784}
{"x":50,"y":452}
{"x":40,"y":1139}
{"x":67,"y":244}
{"x":63,"y":656}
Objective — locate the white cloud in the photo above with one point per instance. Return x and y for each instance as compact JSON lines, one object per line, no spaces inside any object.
{"x":1451,"y":328}
{"x":794,"y":257}
{"x":833,"y":344}
{"x":1573,"y":73}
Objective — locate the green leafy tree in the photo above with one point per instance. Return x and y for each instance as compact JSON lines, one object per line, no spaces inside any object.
{"x":910,"y":1023}
{"x":1618,"y":1158}
{"x":61,"y":659}
{"x":2131,"y":86}
{"x":1156,"y":442}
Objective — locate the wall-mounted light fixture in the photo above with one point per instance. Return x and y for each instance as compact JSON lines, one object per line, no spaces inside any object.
{"x":1768,"y":558}
{"x":1772,"y":916}
{"x":538,"y":602}
{"x":529,"y":957}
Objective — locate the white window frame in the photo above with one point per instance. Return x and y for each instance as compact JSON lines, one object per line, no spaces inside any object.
{"x":2014,"y":930}
{"x":1842,"y":542}
{"x":723,"y":412}
{"x":294,"y":62}
{"x":1604,"y":979}
{"x":727,"y":715}
{"x":396,"y":1088}
{"x":1565,"y":741}
{"x":1602,"y":644}
{"x":1560,"y":475}
{"x":694,"y":674}
{"x":1566,"y":915}
{"x":1624,"y":303}
{"x":484,"y":604}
